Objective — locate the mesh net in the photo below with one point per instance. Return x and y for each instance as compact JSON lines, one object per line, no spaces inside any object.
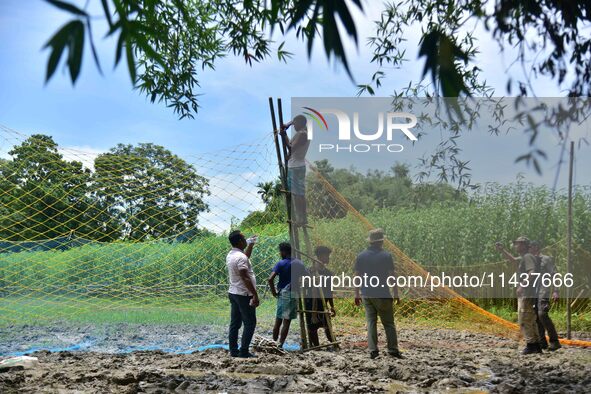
{"x":138,"y":235}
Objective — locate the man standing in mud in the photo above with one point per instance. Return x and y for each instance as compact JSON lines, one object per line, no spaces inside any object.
{"x":547,"y":270}
{"x":526,"y":293}
{"x":297,"y":148}
{"x":286,"y":304}
{"x":317,"y":318}
{"x":377,"y":300}
{"x":243,"y":294}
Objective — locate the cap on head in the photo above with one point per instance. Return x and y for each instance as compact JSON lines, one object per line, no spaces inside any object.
{"x":375,"y":235}
{"x":522,"y":239}
{"x":534,"y":244}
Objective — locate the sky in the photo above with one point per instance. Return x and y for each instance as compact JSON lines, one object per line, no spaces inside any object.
{"x":102,"y":111}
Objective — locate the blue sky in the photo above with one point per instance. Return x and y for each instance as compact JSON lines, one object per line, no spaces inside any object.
{"x":101,"y":111}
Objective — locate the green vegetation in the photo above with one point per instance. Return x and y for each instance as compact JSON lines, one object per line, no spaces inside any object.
{"x":463,"y":233}
{"x":167,"y":70}
{"x":373,"y":190}
{"x":159,"y":280}
{"x":133,"y":270}
{"x":134,"y":193}
{"x":202,"y":310}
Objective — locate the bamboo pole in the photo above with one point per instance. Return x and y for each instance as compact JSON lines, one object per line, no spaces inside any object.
{"x":315,"y":263}
{"x":336,"y":343}
{"x":275,"y":138}
{"x":282,"y":163}
{"x":569,"y":260}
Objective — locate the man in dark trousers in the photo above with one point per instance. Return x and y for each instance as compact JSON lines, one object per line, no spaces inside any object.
{"x":526,"y":293}
{"x":376,"y":262}
{"x":243,"y":295}
{"x":286,"y":304}
{"x":547,"y":270}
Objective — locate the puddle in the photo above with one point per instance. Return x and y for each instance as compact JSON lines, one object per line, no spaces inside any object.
{"x":400,"y":387}
{"x":194,"y":373}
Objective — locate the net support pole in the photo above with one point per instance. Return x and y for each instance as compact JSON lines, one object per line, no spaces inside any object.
{"x":282,"y":163}
{"x":569,"y":258}
{"x":296,"y":235}
{"x":276,"y":139}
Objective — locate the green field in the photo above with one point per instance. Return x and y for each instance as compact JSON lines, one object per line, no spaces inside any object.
{"x":186,"y":282}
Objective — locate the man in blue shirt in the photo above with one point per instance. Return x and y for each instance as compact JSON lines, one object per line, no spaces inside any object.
{"x":286,"y":304}
{"x":378,"y":263}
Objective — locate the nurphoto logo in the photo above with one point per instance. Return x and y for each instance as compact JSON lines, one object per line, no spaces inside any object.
{"x":390,"y":126}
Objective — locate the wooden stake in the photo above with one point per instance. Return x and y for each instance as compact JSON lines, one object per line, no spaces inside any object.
{"x":569,"y":260}
{"x":336,"y":343}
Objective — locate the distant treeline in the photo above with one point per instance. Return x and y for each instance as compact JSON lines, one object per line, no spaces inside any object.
{"x":133,"y":193}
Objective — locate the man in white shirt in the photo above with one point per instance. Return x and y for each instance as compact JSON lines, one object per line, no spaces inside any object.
{"x":296,"y":165}
{"x":242,"y":293}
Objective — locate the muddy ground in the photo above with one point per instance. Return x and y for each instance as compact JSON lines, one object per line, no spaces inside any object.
{"x":436,"y":361}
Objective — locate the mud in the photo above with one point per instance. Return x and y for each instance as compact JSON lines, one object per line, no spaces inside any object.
{"x":435,"y":361}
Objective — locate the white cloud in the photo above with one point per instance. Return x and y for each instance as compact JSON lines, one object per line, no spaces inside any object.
{"x":83,"y":154}
{"x":232,"y":196}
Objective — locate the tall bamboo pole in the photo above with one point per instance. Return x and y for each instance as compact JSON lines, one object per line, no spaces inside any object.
{"x":569,"y":258}
{"x":282,"y":161}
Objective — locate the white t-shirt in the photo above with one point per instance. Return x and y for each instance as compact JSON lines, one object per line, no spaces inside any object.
{"x":235,"y":261}
{"x":298,"y":153}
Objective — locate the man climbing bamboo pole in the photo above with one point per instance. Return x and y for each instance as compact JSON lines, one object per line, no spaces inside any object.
{"x":297,"y":148}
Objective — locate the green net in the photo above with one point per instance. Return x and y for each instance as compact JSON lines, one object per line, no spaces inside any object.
{"x":139,"y":235}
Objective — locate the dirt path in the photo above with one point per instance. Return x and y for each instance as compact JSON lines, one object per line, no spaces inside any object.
{"x":442,"y":360}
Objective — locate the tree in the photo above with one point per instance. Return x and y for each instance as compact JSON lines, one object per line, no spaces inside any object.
{"x":43,"y":196}
{"x":172,"y":40}
{"x":374,"y":190}
{"x":166,"y":35}
{"x":269,"y":190}
{"x":167,"y":42}
{"x":274,"y":212}
{"x":146,"y":192}
{"x":401,"y":171}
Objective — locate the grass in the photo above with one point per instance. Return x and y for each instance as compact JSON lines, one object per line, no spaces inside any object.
{"x":579,"y":321}
{"x":210,"y":310}
{"x":161,"y":282}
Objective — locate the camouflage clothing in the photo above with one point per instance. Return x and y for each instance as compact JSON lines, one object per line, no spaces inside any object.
{"x":527,"y":319}
{"x":527,"y":262}
{"x":527,"y":300}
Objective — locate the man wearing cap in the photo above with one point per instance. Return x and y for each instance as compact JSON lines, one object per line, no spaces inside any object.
{"x":547,"y":270}
{"x":377,"y":300}
{"x":526,"y":293}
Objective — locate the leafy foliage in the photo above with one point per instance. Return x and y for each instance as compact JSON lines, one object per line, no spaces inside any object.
{"x":166,"y":43}
{"x":375,"y":190}
{"x":135,"y":192}
{"x":43,"y":196}
{"x":275,"y":210}
{"x":547,"y":35}
{"x":462,"y":233}
{"x":147,"y":192}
